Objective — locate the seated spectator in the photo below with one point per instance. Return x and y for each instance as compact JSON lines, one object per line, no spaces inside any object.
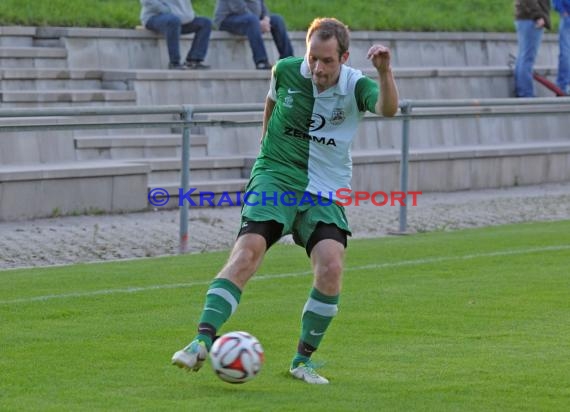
{"x":173,"y":18}
{"x":251,"y":18}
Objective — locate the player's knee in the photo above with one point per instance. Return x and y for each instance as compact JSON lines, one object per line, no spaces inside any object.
{"x":331,"y":268}
{"x":246,"y":259}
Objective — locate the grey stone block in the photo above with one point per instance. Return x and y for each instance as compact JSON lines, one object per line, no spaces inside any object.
{"x":68,"y":188}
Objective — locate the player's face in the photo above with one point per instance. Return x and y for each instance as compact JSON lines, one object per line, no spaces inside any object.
{"x":324,"y":62}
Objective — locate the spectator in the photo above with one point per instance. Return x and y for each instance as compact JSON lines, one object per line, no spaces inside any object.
{"x":252,"y":18}
{"x":563,"y":79}
{"x":173,"y":18}
{"x":531,"y":18}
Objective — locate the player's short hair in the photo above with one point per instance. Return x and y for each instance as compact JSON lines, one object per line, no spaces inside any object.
{"x":327,"y":27}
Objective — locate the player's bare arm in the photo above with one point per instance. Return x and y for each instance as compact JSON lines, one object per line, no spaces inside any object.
{"x":269,"y":105}
{"x":387,"y":105}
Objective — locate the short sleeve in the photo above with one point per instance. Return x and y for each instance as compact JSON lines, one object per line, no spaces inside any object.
{"x":367,"y":94}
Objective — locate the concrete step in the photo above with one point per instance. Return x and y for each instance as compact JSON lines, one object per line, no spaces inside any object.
{"x":202,"y":168}
{"x":142,"y":49}
{"x":137,"y":146}
{"x":30,"y":56}
{"x":442,"y":169}
{"x":52,"y":98}
{"x":17,"y":36}
{"x":34,"y":52}
{"x":43,"y":190}
{"x":50,"y":79}
{"x":243,"y":86}
{"x":377,"y":133}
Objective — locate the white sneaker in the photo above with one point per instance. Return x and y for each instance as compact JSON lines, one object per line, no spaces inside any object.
{"x":306,"y":372}
{"x":192,"y":357}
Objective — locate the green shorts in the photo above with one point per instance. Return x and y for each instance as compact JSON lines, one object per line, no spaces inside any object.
{"x":299,"y":212}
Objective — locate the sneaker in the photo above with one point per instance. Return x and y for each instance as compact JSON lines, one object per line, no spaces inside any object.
{"x":263,"y":66}
{"x":196,"y":65}
{"x":192,"y":357}
{"x":306,"y":372}
{"x":176,"y":66}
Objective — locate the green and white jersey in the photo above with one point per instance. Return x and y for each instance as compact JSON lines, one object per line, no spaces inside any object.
{"x":309,"y":135}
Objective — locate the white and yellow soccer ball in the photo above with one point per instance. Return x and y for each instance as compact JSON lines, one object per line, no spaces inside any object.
{"x":237,"y":357}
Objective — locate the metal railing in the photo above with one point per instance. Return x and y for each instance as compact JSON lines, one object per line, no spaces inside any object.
{"x":185,"y":119}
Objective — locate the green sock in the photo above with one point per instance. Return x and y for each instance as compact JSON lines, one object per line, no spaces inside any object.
{"x":318,"y":313}
{"x":222,"y":300}
{"x":298,"y":359}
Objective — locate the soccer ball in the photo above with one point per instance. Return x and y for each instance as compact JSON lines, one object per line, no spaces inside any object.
{"x":236,"y":357}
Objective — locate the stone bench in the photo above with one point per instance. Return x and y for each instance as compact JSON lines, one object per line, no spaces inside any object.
{"x":443,"y":169}
{"x":166,"y":171}
{"x":251,"y":86}
{"x":19,"y":79}
{"x":142,"y":49}
{"x":128,"y":146}
{"x":63,"y":98}
{"x":29,"y":56}
{"x":44,"y":190}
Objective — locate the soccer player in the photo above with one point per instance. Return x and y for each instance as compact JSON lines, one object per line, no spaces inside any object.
{"x":311,"y":115}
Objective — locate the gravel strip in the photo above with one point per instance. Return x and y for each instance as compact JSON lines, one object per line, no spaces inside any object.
{"x":75,"y":239}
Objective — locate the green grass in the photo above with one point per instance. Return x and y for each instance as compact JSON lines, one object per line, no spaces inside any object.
{"x":473,"y":320}
{"x":386,"y":15}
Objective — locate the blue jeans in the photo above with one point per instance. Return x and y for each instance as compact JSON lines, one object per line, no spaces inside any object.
{"x":529,"y":38}
{"x":248,"y":25}
{"x":170,"y":26}
{"x":563,"y":79}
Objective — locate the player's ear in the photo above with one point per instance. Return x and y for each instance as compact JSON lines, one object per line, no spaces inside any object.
{"x":344,"y":57}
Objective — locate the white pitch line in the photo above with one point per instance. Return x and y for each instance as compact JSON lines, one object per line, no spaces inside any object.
{"x":105,"y":292}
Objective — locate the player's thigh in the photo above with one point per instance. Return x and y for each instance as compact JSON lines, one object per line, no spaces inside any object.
{"x":321,"y":222}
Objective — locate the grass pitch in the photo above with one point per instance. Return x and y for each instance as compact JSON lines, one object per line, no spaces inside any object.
{"x":474,"y":320}
{"x":382,"y":15}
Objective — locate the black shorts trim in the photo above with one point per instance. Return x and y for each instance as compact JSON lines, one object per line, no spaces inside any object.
{"x":326,"y":231}
{"x":271,"y":230}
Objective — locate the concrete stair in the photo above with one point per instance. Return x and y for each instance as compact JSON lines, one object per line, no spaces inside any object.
{"x":63,"y":188}
{"x":17,"y":36}
{"x":139,"y":48}
{"x":17,"y":79}
{"x":62,"y":98}
{"x":38,"y":57}
{"x":164,"y":171}
{"x":237,"y":86}
{"x":137,"y":146}
{"x":464,"y":167}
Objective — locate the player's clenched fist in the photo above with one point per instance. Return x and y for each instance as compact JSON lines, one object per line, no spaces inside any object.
{"x":380,"y":57}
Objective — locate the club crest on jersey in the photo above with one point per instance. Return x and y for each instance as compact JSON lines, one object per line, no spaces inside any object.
{"x":337,"y":116}
{"x":288,"y":102}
